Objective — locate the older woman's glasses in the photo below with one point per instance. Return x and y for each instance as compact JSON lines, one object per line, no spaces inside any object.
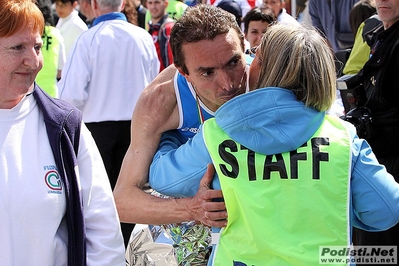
{"x":252,"y":51}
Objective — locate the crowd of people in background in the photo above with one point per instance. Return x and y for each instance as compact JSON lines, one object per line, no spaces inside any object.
{"x":143,"y":77}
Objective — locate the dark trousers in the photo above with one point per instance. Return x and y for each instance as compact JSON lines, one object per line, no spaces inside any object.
{"x":113,"y":139}
{"x":389,"y":237}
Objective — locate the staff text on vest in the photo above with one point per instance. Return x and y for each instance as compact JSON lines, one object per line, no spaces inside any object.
{"x":273,"y":163}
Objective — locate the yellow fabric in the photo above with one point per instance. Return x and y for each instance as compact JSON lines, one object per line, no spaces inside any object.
{"x":282,"y":207}
{"x":359,"y":55}
{"x":47,"y":77}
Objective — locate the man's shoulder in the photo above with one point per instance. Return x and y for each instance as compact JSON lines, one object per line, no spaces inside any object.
{"x":168,"y":22}
{"x":129,"y":27}
{"x":121,"y":27}
{"x":164,"y":83}
{"x":286,"y":18}
{"x":167,"y":25}
{"x":78,"y":22}
{"x":158,"y":102}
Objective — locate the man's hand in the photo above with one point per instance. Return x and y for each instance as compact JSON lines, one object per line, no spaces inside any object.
{"x":202,"y":206}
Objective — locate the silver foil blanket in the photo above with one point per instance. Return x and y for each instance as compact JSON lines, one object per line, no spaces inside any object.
{"x":182,"y":244}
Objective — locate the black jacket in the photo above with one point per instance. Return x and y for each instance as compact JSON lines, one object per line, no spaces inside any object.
{"x":381,"y":83}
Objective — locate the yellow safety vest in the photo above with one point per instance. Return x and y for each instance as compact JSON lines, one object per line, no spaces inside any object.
{"x":282,"y":207}
{"x":47,"y":77}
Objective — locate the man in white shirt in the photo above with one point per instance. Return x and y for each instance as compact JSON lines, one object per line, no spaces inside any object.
{"x":109,"y":66}
{"x":69,"y":23}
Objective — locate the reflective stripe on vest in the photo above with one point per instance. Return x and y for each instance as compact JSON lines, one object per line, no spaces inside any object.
{"x":282,"y":207}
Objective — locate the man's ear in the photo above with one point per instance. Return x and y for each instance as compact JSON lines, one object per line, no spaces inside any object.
{"x":94,"y":4}
{"x":187,"y":76}
{"x":74,"y":4}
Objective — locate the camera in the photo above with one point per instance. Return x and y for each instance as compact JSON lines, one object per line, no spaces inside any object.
{"x":354,"y":99}
{"x":352,"y":90}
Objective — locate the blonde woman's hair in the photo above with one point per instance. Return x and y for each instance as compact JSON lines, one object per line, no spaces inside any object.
{"x":298,"y":58}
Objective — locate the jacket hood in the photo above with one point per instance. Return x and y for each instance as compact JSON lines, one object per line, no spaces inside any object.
{"x":269,"y":120}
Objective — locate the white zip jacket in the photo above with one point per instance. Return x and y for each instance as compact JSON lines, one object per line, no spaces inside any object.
{"x":108,"y":68}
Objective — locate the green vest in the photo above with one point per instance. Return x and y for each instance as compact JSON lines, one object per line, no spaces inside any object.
{"x":282,"y":207}
{"x":47,"y":77}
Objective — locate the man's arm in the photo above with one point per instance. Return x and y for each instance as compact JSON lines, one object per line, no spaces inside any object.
{"x":156,"y":112}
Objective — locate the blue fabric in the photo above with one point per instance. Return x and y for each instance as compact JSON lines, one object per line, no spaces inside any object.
{"x":249,"y":59}
{"x":189,"y":105}
{"x":109,"y":16}
{"x":332,"y":19}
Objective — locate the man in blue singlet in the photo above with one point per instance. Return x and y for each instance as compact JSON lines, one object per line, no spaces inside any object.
{"x":209,"y":69}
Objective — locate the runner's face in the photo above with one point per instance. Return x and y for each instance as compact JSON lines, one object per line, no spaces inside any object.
{"x":216,"y":68}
